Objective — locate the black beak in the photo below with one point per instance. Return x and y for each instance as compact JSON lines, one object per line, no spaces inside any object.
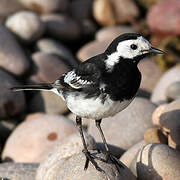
{"x":156,"y":51}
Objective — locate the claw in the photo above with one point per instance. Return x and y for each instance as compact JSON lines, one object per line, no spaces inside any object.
{"x":90,"y":158}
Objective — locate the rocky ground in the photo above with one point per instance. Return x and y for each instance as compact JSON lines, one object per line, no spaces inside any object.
{"x":41,"y":40}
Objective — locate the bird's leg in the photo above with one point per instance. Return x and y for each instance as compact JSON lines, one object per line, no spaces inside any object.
{"x":85,"y":150}
{"x":108,"y":154}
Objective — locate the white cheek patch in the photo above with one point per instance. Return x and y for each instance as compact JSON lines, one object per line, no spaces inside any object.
{"x":124,"y":50}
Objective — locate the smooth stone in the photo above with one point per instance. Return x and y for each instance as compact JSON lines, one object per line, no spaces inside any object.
{"x":158,"y":161}
{"x":18,"y":171}
{"x":8,"y":7}
{"x":12,"y":56}
{"x":85,"y":7}
{"x":34,"y":138}
{"x":127,"y":127}
{"x":112,"y":32}
{"x":70,"y":146}
{"x":73,"y":168}
{"x":174,"y":137}
{"x":61,"y":27}
{"x":124,"y":10}
{"x":11,"y":103}
{"x":48,"y":67}
{"x":91,"y":49}
{"x":48,"y":102}
{"x":159,"y":93}
{"x":45,"y":6}
{"x":173,"y":91}
{"x":164,"y":17}
{"x":154,"y":135}
{"x":26,"y":25}
{"x":168,"y":117}
{"x":130,"y":154}
{"x":102,"y":12}
{"x":54,"y":47}
{"x":151,"y":74}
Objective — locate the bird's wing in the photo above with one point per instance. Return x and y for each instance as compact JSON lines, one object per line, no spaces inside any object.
{"x":84,"y":75}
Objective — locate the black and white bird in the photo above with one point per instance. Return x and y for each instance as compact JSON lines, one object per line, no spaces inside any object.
{"x":104,"y":84}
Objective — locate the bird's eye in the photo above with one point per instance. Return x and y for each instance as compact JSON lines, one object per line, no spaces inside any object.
{"x":133,"y":46}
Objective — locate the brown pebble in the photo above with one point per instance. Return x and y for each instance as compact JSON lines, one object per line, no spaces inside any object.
{"x":154,"y":135}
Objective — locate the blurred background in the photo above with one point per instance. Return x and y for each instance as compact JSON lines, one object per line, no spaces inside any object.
{"x":42,"y":39}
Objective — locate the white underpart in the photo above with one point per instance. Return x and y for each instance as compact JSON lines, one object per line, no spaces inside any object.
{"x":71,"y":76}
{"x":124,"y":50}
{"x":94,"y":108}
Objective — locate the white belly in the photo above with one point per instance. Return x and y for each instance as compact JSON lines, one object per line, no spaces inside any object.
{"x":93,"y":108}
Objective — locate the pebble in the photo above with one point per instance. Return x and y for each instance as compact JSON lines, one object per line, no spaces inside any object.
{"x":11,"y":103}
{"x":122,"y":13}
{"x":12,"y":56}
{"x":111,"y":32}
{"x":45,"y":62}
{"x":45,"y":6}
{"x":32,"y":140}
{"x":151,"y":74}
{"x":158,"y":161}
{"x":70,"y":146}
{"x":73,"y":168}
{"x":62,"y":27}
{"x":51,"y":46}
{"x":168,"y":116}
{"x":173,"y":91}
{"x":164,"y":17}
{"x":85,"y":7}
{"x":154,"y":135}
{"x":159,"y":93}
{"x":48,"y":102}
{"x":18,"y":171}
{"x":102,"y":12}
{"x":91,"y":49}
{"x":26,"y":25}
{"x":130,"y":154}
{"x":127,"y":127}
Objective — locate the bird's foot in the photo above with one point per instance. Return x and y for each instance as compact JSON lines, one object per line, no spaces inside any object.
{"x":90,"y":158}
{"x":114,"y":160}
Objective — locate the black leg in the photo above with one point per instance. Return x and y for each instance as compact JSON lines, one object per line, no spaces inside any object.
{"x":86,"y":152}
{"x":98,"y":125}
{"x":108,"y":154}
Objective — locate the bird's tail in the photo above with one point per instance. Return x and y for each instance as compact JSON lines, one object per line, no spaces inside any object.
{"x":45,"y":86}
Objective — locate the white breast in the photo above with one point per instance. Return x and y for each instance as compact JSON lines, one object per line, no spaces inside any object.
{"x":93,"y":108}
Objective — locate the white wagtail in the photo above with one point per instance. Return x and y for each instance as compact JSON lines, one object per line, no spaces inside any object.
{"x":103,"y":85}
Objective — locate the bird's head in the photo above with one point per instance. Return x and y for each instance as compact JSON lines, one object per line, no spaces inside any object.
{"x":129,"y":46}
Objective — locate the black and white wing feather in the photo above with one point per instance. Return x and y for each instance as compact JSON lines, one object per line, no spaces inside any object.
{"x":75,"y":81}
{"x":85,"y":75}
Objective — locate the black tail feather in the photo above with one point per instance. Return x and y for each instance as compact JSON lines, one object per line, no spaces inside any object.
{"x":45,"y":86}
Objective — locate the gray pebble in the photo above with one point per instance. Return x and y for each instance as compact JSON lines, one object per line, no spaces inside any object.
{"x":62,"y":27}
{"x":12,"y":56}
{"x":18,"y":171}
{"x":159,"y":93}
{"x":73,"y":168}
{"x":11,"y":103}
{"x":173,"y":91}
{"x":26,"y":25}
{"x":54,"y":47}
{"x":48,"y":67}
